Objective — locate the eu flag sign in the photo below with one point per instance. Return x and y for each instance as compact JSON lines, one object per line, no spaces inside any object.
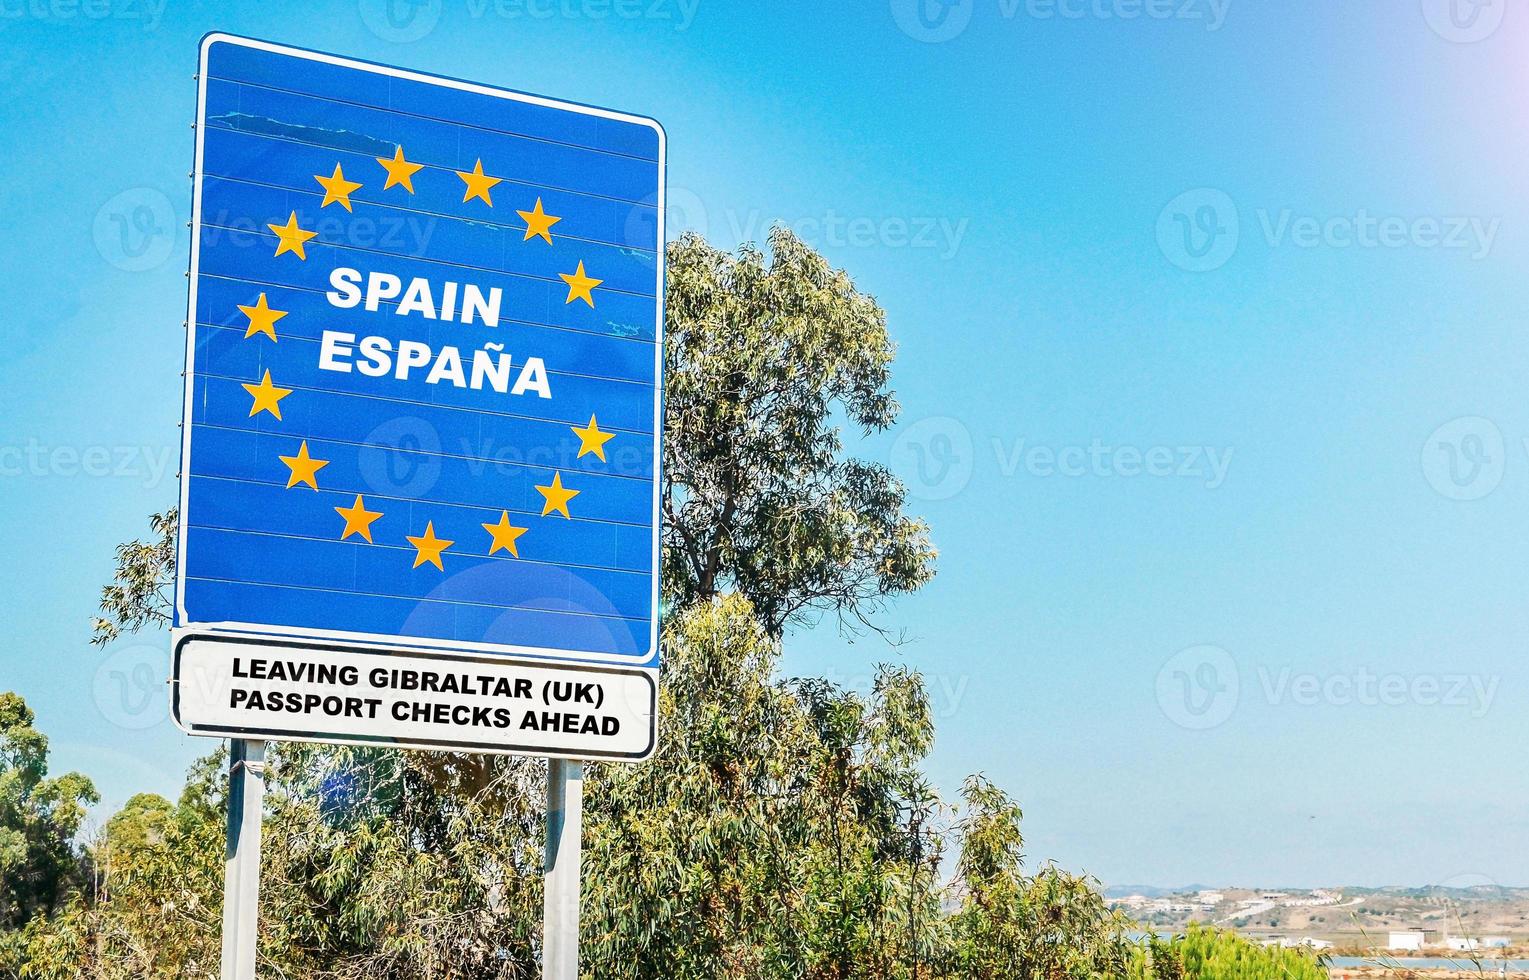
{"x":419,"y":489}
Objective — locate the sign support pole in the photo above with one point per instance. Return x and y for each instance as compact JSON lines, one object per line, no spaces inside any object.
{"x":241,"y":874}
{"x":565,"y":838}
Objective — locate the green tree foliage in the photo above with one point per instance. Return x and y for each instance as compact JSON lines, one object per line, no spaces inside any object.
{"x":39,"y":818}
{"x":40,"y":869}
{"x":785,"y":829}
{"x":759,"y":498}
{"x":1205,"y":953}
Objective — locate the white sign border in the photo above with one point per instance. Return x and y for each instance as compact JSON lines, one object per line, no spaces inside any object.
{"x":181,"y":637}
{"x":416,"y":644}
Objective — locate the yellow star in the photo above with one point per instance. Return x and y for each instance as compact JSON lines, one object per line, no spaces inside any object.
{"x":538,"y":222}
{"x":579,"y":286}
{"x":505,"y":534}
{"x":304,"y":467}
{"x":478,"y":184}
{"x":358,"y":520}
{"x":556,"y":498}
{"x":337,"y":188}
{"x":267,"y":397}
{"x":429,"y":548}
{"x":591,"y":439}
{"x":262,"y":319}
{"x":400,"y":171}
{"x":292,"y":237}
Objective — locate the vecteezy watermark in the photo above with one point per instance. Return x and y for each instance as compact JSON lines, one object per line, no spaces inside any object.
{"x":1473,"y":692}
{"x":1199,"y":687}
{"x":937,"y":455}
{"x":401,"y":457}
{"x":1208,"y":464}
{"x":1199,"y":230}
{"x":946,"y":693}
{"x":401,"y":233}
{"x":1469,"y":233}
{"x":149,"y":465}
{"x":400,"y":21}
{"x":1464,"y":459}
{"x":145,"y":12}
{"x":130,"y":687}
{"x":1464,"y":21}
{"x":933,"y":21}
{"x":936,"y":21}
{"x":684,"y":210}
{"x":135,"y":230}
{"x":678,"y":13}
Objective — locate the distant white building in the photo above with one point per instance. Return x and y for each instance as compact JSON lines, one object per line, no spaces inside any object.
{"x":1496,"y":942}
{"x":1462,"y":944}
{"x":1407,"y":939}
{"x":1210,"y":897}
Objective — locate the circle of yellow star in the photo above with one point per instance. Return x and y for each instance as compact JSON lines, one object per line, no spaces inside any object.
{"x":400,"y":171}
{"x":478,"y":184}
{"x":262,"y":318}
{"x":292,"y":237}
{"x":556,"y":497}
{"x":337,"y":188}
{"x":538,"y":222}
{"x":579,"y":286}
{"x":428,"y":548}
{"x":505,"y":535}
{"x":358,"y":520}
{"x":304,"y":467}
{"x":267,"y":397}
{"x":591,"y":439}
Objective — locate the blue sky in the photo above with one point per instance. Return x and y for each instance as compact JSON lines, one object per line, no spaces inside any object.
{"x":1210,"y":356}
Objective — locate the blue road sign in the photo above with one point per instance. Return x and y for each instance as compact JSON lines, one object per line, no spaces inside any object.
{"x":423,"y":404}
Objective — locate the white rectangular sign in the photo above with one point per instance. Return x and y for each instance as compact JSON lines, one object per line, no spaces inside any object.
{"x":261,"y":688}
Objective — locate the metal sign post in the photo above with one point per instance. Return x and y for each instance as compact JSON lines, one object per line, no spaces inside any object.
{"x":565,"y":838}
{"x":241,"y":877}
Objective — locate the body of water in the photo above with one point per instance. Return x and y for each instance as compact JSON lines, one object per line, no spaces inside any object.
{"x":1489,"y":967}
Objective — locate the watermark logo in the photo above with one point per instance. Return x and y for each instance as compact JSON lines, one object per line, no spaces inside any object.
{"x":1464,"y":459}
{"x":1198,"y":231}
{"x":678,"y":13}
{"x":1464,"y":21}
{"x":1208,"y":464}
{"x":146,"y":12}
{"x":1199,"y":688}
{"x":683,"y":211}
{"x":401,"y":458}
{"x":400,"y":21}
{"x":1363,"y":687}
{"x":130,"y":687}
{"x":937,"y":454}
{"x":933,"y":21}
{"x":148,"y":465}
{"x":135,"y":230}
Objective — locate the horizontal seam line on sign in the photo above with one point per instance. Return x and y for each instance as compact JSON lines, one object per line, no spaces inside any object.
{"x":453,"y":122}
{"x":503,"y":319}
{"x":433,"y":214}
{"x":318,"y":340}
{"x":409,"y":549}
{"x":410,"y":598}
{"x":418,"y":404}
{"x":419,"y":258}
{"x":646,"y":527}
